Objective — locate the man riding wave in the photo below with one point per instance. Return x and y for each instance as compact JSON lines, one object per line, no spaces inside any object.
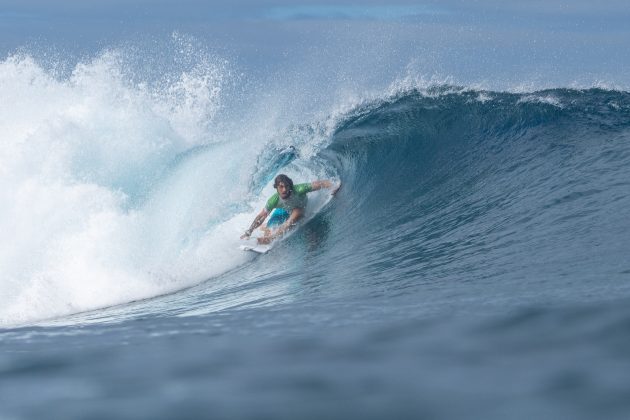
{"x":288,"y":205}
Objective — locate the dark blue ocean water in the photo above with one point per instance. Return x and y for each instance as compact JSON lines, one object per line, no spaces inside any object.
{"x":473,"y":265}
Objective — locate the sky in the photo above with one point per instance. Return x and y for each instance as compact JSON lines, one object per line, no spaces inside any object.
{"x":485,"y":41}
{"x":577,"y":12}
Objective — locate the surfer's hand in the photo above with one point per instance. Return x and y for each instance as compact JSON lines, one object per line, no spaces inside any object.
{"x":333,"y":192}
{"x":264,"y":240}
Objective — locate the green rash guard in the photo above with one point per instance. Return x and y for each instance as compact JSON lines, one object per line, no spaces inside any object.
{"x":297,"y":199}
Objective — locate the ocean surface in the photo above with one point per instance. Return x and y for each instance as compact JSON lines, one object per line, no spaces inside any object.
{"x":474,"y":264}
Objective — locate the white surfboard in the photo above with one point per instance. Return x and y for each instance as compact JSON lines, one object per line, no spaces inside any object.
{"x":261,"y":249}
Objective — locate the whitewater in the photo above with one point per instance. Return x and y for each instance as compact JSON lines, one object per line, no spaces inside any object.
{"x":474,"y":263}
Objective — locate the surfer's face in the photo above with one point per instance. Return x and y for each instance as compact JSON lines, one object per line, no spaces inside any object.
{"x":283,"y":190}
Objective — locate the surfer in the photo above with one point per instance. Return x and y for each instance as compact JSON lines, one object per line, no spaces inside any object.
{"x":288,"y":205}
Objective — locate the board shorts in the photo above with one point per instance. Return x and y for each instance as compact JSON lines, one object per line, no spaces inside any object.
{"x":278,"y":217}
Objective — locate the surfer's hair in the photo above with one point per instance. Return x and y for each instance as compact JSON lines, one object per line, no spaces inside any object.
{"x":288,"y":182}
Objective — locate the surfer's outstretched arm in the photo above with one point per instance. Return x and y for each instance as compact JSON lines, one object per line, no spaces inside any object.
{"x":325,"y":183}
{"x":257,"y":222}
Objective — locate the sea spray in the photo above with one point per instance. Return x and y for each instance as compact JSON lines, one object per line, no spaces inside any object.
{"x":80,"y":160}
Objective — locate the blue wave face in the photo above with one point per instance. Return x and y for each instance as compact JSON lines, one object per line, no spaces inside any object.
{"x":521,"y":194}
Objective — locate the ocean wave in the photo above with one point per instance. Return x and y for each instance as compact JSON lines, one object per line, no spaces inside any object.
{"x":118,"y":189}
